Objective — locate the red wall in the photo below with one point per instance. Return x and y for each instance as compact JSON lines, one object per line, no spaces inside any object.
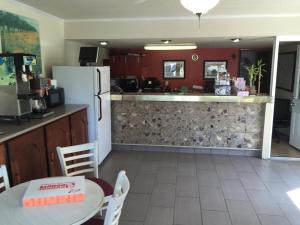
{"x":152,"y":63}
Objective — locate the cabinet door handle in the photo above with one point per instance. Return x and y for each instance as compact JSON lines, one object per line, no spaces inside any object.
{"x":52,"y":157}
{"x":99,"y":80}
{"x":18,"y":178}
{"x":100,"y":108}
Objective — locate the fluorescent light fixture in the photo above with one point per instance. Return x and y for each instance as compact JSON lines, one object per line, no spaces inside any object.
{"x":103,"y":43}
{"x":236,"y":40}
{"x":170,"y":47}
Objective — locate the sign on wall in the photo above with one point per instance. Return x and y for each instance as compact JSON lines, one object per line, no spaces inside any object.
{"x":19,"y":34}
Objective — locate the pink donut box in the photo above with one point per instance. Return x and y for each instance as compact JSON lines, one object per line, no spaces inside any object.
{"x":54,"y":190}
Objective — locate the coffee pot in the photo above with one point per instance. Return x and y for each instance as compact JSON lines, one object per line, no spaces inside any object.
{"x":39,"y":86}
{"x":39,"y":105}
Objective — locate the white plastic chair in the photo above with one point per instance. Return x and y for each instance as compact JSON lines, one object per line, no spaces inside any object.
{"x":115,"y":203}
{"x":69,"y":165}
{"x":80,"y":160}
{"x":4,"y":184}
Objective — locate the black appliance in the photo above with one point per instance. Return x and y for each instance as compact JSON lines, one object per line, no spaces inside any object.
{"x":129,"y":84}
{"x":15,"y":93}
{"x":115,"y":85}
{"x":39,"y":83}
{"x":151,"y":84}
{"x":55,"y":97}
{"x":209,"y":86}
{"x":88,"y":56}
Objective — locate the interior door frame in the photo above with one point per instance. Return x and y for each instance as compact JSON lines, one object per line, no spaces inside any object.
{"x":269,"y":111}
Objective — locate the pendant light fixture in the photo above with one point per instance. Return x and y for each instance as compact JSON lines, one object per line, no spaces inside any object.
{"x":199,"y":7}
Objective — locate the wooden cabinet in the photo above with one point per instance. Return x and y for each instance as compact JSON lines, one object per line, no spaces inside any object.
{"x":33,"y":155}
{"x":79,"y":129}
{"x":57,"y":134}
{"x":27,"y":156}
{"x":3,"y":154}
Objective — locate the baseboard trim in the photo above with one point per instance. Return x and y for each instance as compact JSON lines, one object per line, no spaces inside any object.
{"x":201,"y":150}
{"x":280,"y":158}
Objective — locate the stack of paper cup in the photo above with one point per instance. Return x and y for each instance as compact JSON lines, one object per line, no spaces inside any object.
{"x":53,"y":83}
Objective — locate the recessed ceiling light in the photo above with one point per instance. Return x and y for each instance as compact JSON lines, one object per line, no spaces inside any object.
{"x":235,"y":40}
{"x":103,"y":43}
{"x":170,"y":47}
{"x":166,"y":41}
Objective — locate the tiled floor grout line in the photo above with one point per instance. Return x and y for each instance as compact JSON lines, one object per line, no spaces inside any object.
{"x":257,"y":170}
{"x":199,"y":198}
{"x":176,"y":168}
{"x":267,"y":190}
{"x":149,"y":206}
{"x":249,"y":199}
{"x":220,"y":180}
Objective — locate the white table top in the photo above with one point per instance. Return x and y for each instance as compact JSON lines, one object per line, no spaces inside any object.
{"x":12,"y":212}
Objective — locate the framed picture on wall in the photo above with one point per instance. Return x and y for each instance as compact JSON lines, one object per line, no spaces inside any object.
{"x":174,"y":69}
{"x":212,"y":67}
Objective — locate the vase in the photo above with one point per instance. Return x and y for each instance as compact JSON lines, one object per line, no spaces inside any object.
{"x":252,"y":90}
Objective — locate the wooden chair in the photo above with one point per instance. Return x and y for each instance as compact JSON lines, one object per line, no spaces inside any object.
{"x":4,"y":182}
{"x":81,"y":160}
{"x":115,"y":203}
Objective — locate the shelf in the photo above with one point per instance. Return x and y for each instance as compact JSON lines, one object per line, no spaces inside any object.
{"x":129,"y":54}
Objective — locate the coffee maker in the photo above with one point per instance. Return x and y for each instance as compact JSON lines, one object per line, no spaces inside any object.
{"x":40,"y":86}
{"x":15,"y":92}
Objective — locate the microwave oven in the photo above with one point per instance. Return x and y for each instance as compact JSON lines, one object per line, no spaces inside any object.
{"x":129,"y":84}
{"x":55,"y":97}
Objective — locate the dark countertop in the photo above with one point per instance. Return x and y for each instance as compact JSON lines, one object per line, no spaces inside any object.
{"x":11,"y":129}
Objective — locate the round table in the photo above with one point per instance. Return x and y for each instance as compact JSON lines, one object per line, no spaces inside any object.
{"x":12,"y":212}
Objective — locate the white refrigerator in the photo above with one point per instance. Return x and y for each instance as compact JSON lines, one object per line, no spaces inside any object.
{"x":91,"y":86}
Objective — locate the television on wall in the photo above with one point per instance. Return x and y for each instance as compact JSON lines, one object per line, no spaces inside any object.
{"x":88,"y":56}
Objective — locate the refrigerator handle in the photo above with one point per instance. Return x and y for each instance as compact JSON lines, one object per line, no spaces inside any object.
{"x":99,"y":80}
{"x":100,"y":108}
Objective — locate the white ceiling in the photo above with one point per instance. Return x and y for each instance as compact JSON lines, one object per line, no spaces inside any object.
{"x":136,"y":9}
{"x":246,"y":42}
{"x":110,"y":10}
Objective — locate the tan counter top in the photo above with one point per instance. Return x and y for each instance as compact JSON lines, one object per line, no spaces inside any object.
{"x":190,"y":97}
{"x":12,"y":130}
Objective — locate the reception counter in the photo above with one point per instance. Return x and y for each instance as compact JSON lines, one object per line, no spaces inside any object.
{"x":189,"y":123}
{"x":190,"y":97}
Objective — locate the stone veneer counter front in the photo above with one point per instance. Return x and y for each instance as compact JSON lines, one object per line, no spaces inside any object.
{"x":195,"y":123}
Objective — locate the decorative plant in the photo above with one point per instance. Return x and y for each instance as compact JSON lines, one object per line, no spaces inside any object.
{"x":252,"y":74}
{"x":259,"y":72}
{"x":255,"y":72}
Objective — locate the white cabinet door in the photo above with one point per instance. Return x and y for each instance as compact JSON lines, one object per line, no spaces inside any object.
{"x":295,"y":124}
{"x":295,"y":118}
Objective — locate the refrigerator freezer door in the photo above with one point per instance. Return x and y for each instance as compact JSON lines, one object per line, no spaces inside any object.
{"x":102,"y":80}
{"x":102,"y":107}
{"x":78,"y":84}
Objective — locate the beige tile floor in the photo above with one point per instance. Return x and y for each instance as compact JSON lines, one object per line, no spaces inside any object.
{"x":191,"y":189}
{"x":283,"y":149}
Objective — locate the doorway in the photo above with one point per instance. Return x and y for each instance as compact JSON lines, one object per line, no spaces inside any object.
{"x":286,"y":134}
